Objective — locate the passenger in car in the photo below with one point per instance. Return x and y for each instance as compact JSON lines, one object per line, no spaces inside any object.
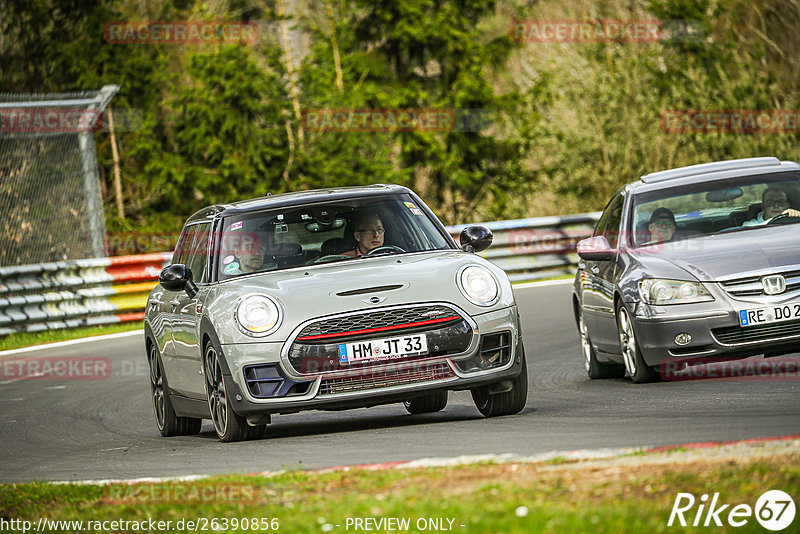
{"x":369,"y":231}
{"x":250,"y":255}
{"x":774,"y":202}
{"x":662,"y":225}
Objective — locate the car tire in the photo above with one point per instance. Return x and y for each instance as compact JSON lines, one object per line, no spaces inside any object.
{"x":635,"y":365}
{"x":506,"y":403}
{"x":228,"y":425}
{"x":167,"y":422}
{"x":427,"y":404}
{"x":594,"y":368}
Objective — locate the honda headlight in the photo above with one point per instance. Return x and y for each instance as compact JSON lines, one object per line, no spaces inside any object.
{"x":258,"y":315}
{"x":662,"y":292}
{"x":478,"y":285}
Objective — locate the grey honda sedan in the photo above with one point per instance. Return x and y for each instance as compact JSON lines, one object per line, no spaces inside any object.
{"x":330,"y":299}
{"x":689,"y":266}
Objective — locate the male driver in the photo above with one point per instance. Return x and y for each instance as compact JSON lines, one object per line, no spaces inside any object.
{"x":774,"y":202}
{"x":369,"y":232}
{"x":662,"y":225}
{"x":250,"y":255}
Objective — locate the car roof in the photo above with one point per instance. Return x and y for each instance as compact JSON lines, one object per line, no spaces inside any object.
{"x":710,"y":172}
{"x":296,"y":198}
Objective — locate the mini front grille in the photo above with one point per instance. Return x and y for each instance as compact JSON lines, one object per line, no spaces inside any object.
{"x":321,"y":355}
{"x":389,"y":320}
{"x":420,"y":372}
{"x":750,"y":286}
{"x":736,"y":335}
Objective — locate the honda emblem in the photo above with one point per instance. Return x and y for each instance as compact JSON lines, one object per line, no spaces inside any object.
{"x":774,"y":284}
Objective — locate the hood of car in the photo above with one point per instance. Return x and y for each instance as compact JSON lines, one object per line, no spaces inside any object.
{"x":351,"y":285}
{"x":723,"y":256}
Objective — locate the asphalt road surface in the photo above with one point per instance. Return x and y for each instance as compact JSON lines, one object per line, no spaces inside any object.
{"x":104,"y":429}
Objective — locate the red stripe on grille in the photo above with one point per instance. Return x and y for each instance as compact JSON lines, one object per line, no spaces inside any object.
{"x":379,"y":329}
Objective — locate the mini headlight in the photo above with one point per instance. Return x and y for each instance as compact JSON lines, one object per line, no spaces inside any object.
{"x":258,"y":315}
{"x":661,"y":292}
{"x":478,"y":285}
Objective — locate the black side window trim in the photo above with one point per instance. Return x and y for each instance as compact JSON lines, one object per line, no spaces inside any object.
{"x":186,"y":258}
{"x":616,"y":203}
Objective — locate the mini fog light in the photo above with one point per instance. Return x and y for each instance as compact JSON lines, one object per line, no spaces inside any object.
{"x":683,"y":338}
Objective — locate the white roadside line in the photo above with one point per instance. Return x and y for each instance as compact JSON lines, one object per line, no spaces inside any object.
{"x":58,"y":344}
{"x":527,"y":285}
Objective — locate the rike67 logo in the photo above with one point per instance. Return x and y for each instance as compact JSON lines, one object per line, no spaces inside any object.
{"x":774,"y":510}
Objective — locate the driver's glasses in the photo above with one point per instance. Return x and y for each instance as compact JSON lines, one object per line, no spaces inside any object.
{"x":663,"y":223}
{"x":776,"y":203}
{"x":377,"y":231}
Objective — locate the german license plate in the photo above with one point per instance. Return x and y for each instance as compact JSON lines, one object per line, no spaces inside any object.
{"x":383,"y":349}
{"x":769,"y":314}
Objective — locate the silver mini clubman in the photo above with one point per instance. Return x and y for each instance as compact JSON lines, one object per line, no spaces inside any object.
{"x":329,"y":299}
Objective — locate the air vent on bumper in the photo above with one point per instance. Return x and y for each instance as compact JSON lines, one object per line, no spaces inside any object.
{"x":268,"y":381}
{"x":495,"y":352}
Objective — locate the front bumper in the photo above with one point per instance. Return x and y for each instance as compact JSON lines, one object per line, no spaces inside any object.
{"x":715,"y":335}
{"x":379,"y":383}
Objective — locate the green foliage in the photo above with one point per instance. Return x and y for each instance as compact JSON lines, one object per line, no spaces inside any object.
{"x":223,"y":137}
{"x":612,"y":131}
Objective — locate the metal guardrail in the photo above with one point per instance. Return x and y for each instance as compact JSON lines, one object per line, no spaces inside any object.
{"x":542,"y":247}
{"x":69,"y":294}
{"x":88,"y":292}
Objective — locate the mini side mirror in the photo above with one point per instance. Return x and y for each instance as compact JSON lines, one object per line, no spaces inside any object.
{"x":475,"y":238}
{"x":178,"y":277}
{"x":595,"y":248}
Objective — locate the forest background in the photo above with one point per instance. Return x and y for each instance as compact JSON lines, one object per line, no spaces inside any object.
{"x":570,"y":122}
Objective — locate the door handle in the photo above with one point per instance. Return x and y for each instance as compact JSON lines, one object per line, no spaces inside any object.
{"x":595,"y":269}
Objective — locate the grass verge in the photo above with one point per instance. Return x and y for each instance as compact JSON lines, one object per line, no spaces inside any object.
{"x":614,"y":496}
{"x":26,"y":339}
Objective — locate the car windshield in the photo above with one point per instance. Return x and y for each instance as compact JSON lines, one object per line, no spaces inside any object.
{"x":349,"y":230}
{"x":732,"y":205}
